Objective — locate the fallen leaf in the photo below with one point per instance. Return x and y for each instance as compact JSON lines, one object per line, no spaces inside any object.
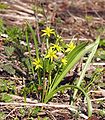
{"x":93,"y":118}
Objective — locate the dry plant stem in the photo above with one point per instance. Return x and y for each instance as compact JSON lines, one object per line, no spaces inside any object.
{"x":12,"y":78}
{"x":24,"y":9}
{"x":44,"y":105}
{"x":12,"y":112}
{"x":28,"y":100}
{"x":50,"y":115}
{"x":99,"y":99}
{"x":41,"y":105}
{"x":18,"y":17}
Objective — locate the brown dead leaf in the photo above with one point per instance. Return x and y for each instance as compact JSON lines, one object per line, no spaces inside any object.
{"x":93,"y":118}
{"x":102,"y":91}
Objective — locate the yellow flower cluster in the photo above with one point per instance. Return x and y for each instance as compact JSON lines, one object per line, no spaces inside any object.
{"x":52,"y":50}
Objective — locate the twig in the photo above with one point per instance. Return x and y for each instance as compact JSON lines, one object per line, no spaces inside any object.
{"x":40,"y":105}
{"x":75,"y":39}
{"x":12,"y":112}
{"x":28,"y":100}
{"x":24,"y":9}
{"x":50,"y":115}
{"x":99,"y":99}
{"x":96,"y":64}
{"x":12,"y":78}
{"x":18,"y":17}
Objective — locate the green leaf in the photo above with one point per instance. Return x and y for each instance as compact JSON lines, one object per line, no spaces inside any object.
{"x":3,"y":85}
{"x":2,"y":28}
{"x":2,"y":115}
{"x":9,"y":50}
{"x":15,"y":33}
{"x":35,"y":40}
{"x":65,"y":87}
{"x":102,"y":112}
{"x":73,"y":58}
{"x":3,"y":6}
{"x":93,"y":51}
{"x":9,"y":69}
{"x":5,"y":97}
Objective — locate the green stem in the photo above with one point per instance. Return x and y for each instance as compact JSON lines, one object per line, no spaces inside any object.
{"x":93,"y":79}
{"x":47,"y":43}
{"x":29,"y":50}
{"x":38,"y":73}
{"x":35,"y":40}
{"x":44,"y":81}
{"x":55,"y":77}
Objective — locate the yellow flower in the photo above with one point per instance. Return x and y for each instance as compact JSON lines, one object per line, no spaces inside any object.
{"x":70,"y":46}
{"x":64,"y":61}
{"x":37,"y":64}
{"x":51,"y":54}
{"x":59,"y":38}
{"x":57,"y":47}
{"x":48,"y":31}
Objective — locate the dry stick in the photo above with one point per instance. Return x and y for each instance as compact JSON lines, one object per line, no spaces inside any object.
{"x":96,"y":64}
{"x":40,"y":105}
{"x":12,"y":78}
{"x":99,"y":99}
{"x":95,"y":10}
{"x":46,"y":105}
{"x":11,"y":12}
{"x":51,"y":116}
{"x":22,"y":6}
{"x":17,"y":17}
{"x":12,"y":112}
{"x":28,"y":100}
{"x":24,"y":9}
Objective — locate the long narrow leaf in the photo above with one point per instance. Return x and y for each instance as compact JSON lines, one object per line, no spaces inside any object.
{"x":69,"y":57}
{"x":65,"y":87}
{"x":87,"y":65}
{"x":75,"y":57}
{"x":29,"y":50}
{"x":35,"y":40}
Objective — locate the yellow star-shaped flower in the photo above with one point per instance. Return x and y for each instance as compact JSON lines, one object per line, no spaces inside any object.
{"x":70,"y":46}
{"x":59,"y":38}
{"x":48,"y":31}
{"x":64,"y":61}
{"x":51,"y":54}
{"x":37,"y":64}
{"x":57,"y":47}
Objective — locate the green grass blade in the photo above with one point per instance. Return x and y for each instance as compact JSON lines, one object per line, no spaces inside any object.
{"x":93,"y":51}
{"x":35,"y":40}
{"x":74,"y":57}
{"x":65,"y":87}
{"x":29,"y":50}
